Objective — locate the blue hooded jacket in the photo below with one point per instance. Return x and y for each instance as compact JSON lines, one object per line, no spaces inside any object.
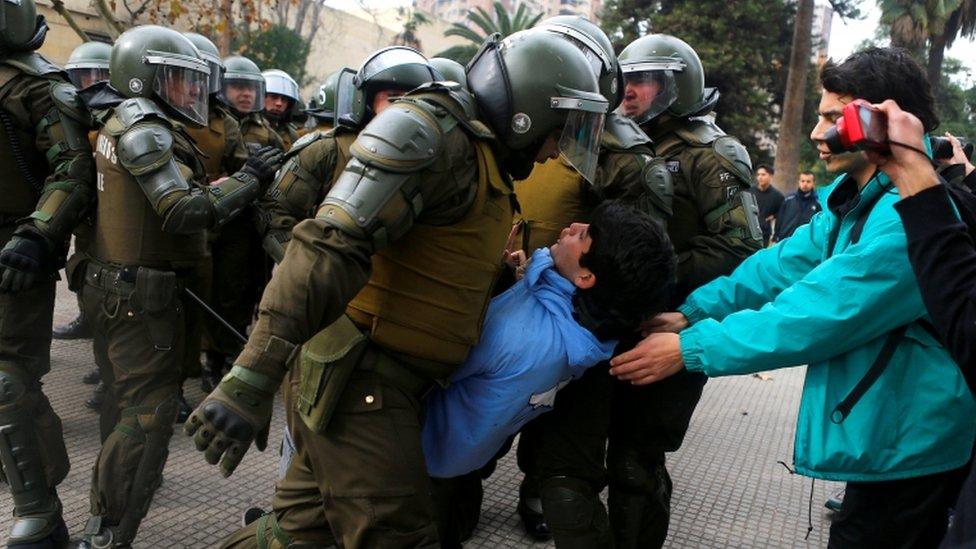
{"x":818,"y":299}
{"x":530,"y":348}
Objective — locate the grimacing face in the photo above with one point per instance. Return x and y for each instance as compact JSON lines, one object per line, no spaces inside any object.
{"x":829,"y":111}
{"x":242,"y":95}
{"x":639,"y":94}
{"x":574,"y":241}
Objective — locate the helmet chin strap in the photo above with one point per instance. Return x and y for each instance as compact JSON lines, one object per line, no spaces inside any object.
{"x":519,"y":164}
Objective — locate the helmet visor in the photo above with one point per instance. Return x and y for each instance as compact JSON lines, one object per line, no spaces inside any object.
{"x":349,"y":106}
{"x":579,"y":144}
{"x":85,"y":77}
{"x":216,"y":76}
{"x":647,"y":93}
{"x":184,"y":90}
{"x":245,"y":95}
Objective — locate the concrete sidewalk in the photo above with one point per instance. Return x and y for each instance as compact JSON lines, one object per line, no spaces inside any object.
{"x":729,"y":489}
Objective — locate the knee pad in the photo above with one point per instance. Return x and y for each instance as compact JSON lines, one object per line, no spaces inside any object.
{"x":629,"y":473}
{"x":569,"y":504}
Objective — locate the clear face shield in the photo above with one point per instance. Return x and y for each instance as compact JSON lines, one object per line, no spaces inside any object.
{"x":85,"y":76}
{"x":216,"y":76}
{"x":579,"y":144}
{"x":185,"y":90}
{"x":649,"y":90}
{"x":246,"y":95}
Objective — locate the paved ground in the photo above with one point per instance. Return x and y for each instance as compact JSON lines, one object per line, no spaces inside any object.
{"x":729,"y":489}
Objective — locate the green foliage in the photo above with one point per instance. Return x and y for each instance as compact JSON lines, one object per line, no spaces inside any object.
{"x":486,"y":24}
{"x":956,"y":102}
{"x":744,"y":47}
{"x":277,"y":47}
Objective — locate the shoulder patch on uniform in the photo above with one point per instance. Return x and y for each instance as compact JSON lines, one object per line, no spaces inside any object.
{"x":404,"y":138}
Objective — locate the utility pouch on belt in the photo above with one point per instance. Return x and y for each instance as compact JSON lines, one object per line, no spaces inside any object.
{"x":326,"y":362}
{"x":154,"y":296}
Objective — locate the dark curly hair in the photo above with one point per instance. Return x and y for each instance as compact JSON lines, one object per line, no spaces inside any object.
{"x":877,"y":74}
{"x":634,"y":264}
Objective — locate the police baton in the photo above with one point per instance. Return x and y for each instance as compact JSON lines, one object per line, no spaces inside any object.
{"x":203,"y":305}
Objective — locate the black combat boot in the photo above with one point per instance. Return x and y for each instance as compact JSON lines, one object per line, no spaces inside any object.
{"x":92,"y":378}
{"x":76,"y":329}
{"x":98,"y":397}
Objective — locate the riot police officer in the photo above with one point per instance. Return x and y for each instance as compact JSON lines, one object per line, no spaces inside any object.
{"x":449,"y":70}
{"x":404,"y":250}
{"x":321,"y":109}
{"x":149,"y":234}
{"x":46,"y":190}
{"x":311,"y":167}
{"x":281,"y":100}
{"x":714,"y":226}
{"x":218,"y":278}
{"x":87,"y":65}
{"x":244,"y":92}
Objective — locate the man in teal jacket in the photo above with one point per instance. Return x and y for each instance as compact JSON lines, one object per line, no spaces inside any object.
{"x":833,"y":296}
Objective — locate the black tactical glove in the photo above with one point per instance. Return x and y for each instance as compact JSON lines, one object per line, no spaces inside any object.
{"x":264,"y":164}
{"x":229,"y":419}
{"x":25,"y":257}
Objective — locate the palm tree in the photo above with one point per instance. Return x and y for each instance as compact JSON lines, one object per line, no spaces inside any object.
{"x":912,"y":22}
{"x":960,"y":23}
{"x":502,"y":23}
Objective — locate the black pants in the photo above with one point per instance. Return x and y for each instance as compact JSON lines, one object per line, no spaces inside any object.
{"x":565,"y":451}
{"x":910,"y":513}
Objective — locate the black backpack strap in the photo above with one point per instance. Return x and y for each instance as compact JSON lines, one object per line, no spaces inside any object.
{"x":842,"y":410}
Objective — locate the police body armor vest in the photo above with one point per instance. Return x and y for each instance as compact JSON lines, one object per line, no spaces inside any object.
{"x":429,"y":290}
{"x":212,"y":141}
{"x":128,"y":231}
{"x":551,"y":198}
{"x":19,"y":195}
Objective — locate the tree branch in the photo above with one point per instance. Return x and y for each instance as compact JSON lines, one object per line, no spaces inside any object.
{"x":114,"y":27}
{"x":59,"y":7}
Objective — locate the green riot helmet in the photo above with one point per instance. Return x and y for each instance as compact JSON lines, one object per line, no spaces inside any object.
{"x":243,"y":85}
{"x":323,"y":103}
{"x":21,"y":29}
{"x":210,"y":54}
{"x":596,"y":45}
{"x":396,"y":68}
{"x":663,"y":74}
{"x":88,"y":64}
{"x":533,"y":84}
{"x":449,"y":70}
{"x":154,"y":61}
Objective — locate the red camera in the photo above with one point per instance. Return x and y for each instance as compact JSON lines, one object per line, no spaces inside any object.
{"x":861,"y":127}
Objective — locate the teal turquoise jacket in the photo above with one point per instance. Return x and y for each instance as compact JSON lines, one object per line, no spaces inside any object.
{"x":818,"y":299}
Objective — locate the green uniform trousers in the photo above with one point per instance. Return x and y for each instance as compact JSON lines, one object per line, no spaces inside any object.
{"x":139,"y":348}
{"x":365,"y":475}
{"x":25,"y":350}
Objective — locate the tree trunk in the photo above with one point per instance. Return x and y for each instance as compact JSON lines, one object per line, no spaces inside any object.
{"x":937,"y":47}
{"x":791,"y":124}
{"x":59,"y":7}
{"x":226,"y":37}
{"x":111,"y":23}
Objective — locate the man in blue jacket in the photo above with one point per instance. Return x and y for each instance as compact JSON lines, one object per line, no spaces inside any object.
{"x":840,"y":296}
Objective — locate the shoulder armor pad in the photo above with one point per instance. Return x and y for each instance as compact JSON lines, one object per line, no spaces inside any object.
{"x":66,"y":98}
{"x":452,"y":98}
{"x":145,"y":148}
{"x":136,"y":109}
{"x":621,"y":133}
{"x":699,"y":132}
{"x":734,"y":157}
{"x":33,"y":63}
{"x":404,"y":138}
{"x":304,"y":141}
